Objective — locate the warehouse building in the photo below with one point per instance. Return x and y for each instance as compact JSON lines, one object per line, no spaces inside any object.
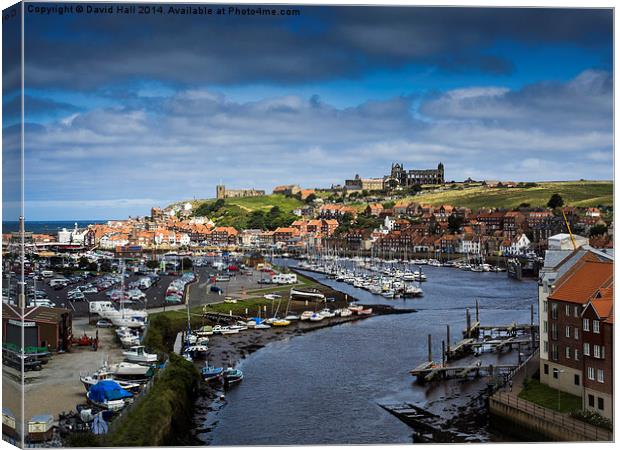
{"x":49,"y":328}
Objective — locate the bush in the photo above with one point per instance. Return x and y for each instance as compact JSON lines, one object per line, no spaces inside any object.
{"x":593,"y":418}
{"x":164,"y":413}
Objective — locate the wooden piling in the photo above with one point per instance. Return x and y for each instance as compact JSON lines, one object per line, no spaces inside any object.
{"x":448,"y":337}
{"x":443,"y":353}
{"x":468,"y":319}
{"x":430,"y":351}
{"x":477,"y":312}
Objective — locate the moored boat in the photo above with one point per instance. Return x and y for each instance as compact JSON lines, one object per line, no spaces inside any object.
{"x":232,"y":376}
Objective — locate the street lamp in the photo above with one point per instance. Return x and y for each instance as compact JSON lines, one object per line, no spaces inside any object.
{"x":557,"y":372}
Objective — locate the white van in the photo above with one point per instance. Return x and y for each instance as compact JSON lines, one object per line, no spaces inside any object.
{"x":47,"y":273}
{"x":44,"y":302}
{"x":58,"y":281}
{"x":145,"y":283}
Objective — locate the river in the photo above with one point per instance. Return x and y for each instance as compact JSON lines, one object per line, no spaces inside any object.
{"x":325,"y":387}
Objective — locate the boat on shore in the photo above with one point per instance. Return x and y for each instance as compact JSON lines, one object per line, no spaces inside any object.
{"x":138,"y":354}
{"x":211,"y":373}
{"x":307,"y":294}
{"x":232,"y":376}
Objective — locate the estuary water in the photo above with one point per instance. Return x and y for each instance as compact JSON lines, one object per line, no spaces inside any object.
{"x":325,"y":387}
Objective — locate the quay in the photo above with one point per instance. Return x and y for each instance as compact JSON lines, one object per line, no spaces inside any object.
{"x":431,"y":370}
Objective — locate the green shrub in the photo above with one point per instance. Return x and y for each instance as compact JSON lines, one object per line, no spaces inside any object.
{"x":593,"y":418}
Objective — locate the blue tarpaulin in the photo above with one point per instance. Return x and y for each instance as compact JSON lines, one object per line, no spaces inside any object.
{"x":107,"y":390}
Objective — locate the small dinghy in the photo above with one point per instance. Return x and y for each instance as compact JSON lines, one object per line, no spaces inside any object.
{"x":232,"y":376}
{"x":212,"y":373}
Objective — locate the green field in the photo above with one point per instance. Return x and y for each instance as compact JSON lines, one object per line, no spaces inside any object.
{"x":574,"y":193}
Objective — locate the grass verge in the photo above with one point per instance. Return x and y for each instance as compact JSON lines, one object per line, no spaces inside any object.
{"x":545,"y":396}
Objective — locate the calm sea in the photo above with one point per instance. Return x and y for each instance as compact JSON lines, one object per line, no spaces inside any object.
{"x":47,"y":226}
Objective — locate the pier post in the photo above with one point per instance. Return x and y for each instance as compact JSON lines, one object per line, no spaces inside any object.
{"x":532,"y":333}
{"x":430,"y":352}
{"x":468,"y":318}
{"x":443,"y":353}
{"x":477,"y":312}
{"x":448,"y":338}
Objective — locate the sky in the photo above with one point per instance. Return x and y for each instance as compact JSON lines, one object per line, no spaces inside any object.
{"x":125,"y":112}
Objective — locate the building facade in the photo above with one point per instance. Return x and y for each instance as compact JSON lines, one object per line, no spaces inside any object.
{"x":399,"y":176}
{"x":221,"y":192}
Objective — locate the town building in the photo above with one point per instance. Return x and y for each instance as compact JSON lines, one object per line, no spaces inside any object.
{"x":364,"y":184}
{"x":222,"y":193}
{"x":288,"y":189}
{"x":43,"y":327}
{"x":572,"y":288}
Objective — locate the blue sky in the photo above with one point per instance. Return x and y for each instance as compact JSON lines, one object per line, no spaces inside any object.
{"x":128,"y":112}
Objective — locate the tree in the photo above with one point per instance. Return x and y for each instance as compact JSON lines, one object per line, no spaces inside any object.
{"x":310,"y":198}
{"x":555,"y":201}
{"x":105,"y":266}
{"x":598,"y":230}
{"x":454,"y":223}
{"x":152,"y":264}
{"x":187,"y":263}
{"x":257,"y":220}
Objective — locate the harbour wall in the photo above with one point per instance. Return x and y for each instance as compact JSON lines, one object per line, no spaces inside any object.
{"x":509,"y":412}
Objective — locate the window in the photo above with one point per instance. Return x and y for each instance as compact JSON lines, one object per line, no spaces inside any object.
{"x":554,"y":310}
{"x":590,"y":373}
{"x":567,"y":352}
{"x":554,"y":352}
{"x":576,"y":380}
{"x":601,"y":403}
{"x":586,"y":324}
{"x":554,"y":331}
{"x":596,"y":326}
{"x":576,"y":333}
{"x":576,"y":355}
{"x":586,"y":348}
{"x":600,"y":375}
{"x":602,"y":352}
{"x":597,"y":351}
{"x":591,"y":400}
{"x":555,"y":373}
{"x":546,"y":346}
{"x":545,"y":306}
{"x":545,"y":326}
{"x":567,"y":332}
{"x":567,"y":309}
{"x":546,"y":369}
{"x":576,"y":311}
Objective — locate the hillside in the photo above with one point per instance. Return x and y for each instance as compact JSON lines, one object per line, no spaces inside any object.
{"x":250,"y":212}
{"x":574,"y":193}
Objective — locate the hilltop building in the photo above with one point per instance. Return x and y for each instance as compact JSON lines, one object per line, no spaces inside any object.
{"x":400,"y":177}
{"x":221,"y":192}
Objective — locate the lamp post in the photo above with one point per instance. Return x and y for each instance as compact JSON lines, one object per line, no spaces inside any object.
{"x":557,"y":372}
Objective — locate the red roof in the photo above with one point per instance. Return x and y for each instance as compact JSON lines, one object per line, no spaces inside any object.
{"x":583,"y":281}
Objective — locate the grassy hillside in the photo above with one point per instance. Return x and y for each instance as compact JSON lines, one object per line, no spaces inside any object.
{"x":574,"y":193}
{"x":241,"y":212}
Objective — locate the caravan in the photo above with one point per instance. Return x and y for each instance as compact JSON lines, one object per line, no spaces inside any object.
{"x":284,"y":278}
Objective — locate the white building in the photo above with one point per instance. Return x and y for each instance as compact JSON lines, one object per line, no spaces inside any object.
{"x":563,"y":241}
{"x":470,"y":244}
{"x":516,"y":246}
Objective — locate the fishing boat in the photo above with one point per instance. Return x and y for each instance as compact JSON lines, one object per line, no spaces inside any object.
{"x":104,"y":373}
{"x":364,"y":312}
{"x":108,"y":394}
{"x":218,"y":329}
{"x":306,"y":315}
{"x":232,"y":376}
{"x":197,"y":350}
{"x":211,"y":373}
{"x":126,"y":370}
{"x":291,"y":317}
{"x":138,"y":354}
{"x":309,"y":294}
{"x":355,"y":308}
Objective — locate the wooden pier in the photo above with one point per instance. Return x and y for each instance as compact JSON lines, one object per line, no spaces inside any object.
{"x":432,"y":371}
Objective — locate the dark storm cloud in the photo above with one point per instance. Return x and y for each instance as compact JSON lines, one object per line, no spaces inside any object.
{"x":322,"y":44}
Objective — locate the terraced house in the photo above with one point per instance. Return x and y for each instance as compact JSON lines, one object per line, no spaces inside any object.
{"x":576,"y":298}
